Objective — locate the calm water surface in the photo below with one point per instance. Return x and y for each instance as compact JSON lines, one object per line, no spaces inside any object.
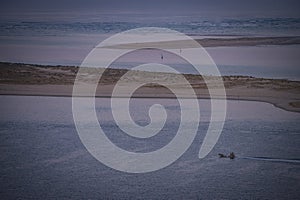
{"x":42,"y":156}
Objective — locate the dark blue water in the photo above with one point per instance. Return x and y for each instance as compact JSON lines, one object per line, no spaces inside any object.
{"x":42,"y":156}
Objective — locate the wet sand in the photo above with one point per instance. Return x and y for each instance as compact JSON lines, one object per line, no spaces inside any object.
{"x":38,"y":80}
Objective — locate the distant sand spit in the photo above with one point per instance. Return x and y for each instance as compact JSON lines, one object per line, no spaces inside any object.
{"x":214,"y":42}
{"x":27,"y":79}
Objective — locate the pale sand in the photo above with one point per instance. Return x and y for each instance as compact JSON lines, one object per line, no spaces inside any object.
{"x":212,"y":42}
{"x":21,"y":79}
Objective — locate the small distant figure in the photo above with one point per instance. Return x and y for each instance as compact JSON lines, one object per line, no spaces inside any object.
{"x":180,"y":50}
{"x":162,"y":57}
{"x":231,"y":155}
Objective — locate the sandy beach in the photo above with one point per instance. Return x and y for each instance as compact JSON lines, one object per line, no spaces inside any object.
{"x":38,"y":80}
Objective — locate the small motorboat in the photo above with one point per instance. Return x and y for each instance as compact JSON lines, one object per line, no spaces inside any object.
{"x":231,"y":155}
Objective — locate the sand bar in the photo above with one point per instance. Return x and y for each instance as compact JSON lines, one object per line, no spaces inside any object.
{"x":27,"y":79}
{"x":213,"y":42}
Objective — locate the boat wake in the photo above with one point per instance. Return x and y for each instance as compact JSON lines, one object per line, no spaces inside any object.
{"x":296,"y":161}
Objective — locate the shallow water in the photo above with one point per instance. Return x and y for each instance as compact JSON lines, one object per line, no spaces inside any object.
{"x":43,"y":157}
